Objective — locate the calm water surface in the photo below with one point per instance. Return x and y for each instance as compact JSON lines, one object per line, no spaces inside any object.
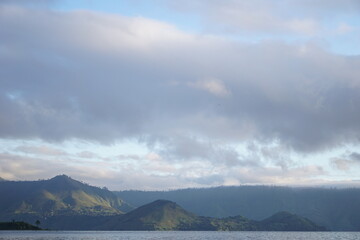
{"x":93,"y":235}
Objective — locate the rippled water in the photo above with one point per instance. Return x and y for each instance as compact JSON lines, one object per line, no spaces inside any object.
{"x":93,"y":235}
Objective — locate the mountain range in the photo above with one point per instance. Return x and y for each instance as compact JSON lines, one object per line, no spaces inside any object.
{"x":66,"y":204}
{"x":169,"y":216}
{"x":336,"y":209}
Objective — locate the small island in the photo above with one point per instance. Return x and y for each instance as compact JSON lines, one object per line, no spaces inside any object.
{"x":17,"y":226}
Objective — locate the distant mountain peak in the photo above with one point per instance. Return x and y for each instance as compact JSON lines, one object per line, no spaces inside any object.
{"x":61,"y":177}
{"x":160,"y":205}
{"x":61,"y":181}
{"x":164,"y":202}
{"x":289,"y":222}
{"x":157,"y":215}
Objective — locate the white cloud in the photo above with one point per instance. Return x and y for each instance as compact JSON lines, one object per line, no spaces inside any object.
{"x":213,"y":86}
{"x":151,"y":171}
{"x":41,"y":150}
{"x":261,"y":16}
{"x":344,"y":28}
{"x":87,"y":154}
{"x":342,"y":164}
{"x":290,"y":20}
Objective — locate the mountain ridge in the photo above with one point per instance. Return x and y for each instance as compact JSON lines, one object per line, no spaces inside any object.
{"x":336,"y":209}
{"x":64,"y":203}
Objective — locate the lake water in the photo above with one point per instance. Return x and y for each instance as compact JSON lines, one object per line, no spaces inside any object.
{"x":102,"y":235}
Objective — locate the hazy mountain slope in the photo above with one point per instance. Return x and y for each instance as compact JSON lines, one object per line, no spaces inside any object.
{"x":60,"y":195}
{"x":336,"y":209}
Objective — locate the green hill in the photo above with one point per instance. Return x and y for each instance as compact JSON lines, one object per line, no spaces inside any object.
{"x":60,"y":195}
{"x":285,"y":221}
{"x":158,"y":215}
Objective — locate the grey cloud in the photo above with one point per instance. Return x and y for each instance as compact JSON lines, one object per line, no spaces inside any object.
{"x":29,"y":3}
{"x":106,"y":77}
{"x":355,"y":156}
{"x":329,"y":6}
{"x":183,"y":148}
{"x":346,"y":162}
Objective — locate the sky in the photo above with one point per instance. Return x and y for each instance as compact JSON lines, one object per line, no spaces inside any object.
{"x":166,"y":94}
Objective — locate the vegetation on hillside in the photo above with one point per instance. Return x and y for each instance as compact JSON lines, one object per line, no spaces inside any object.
{"x":60,"y":195}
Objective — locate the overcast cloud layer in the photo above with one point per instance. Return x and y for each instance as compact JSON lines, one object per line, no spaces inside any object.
{"x":190,"y":98}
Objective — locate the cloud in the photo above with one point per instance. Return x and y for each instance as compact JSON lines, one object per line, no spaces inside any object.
{"x":270,"y":19}
{"x":184,"y":149}
{"x":153,"y":170}
{"x":28,"y":2}
{"x":101,"y":77}
{"x":17,"y":167}
{"x":213,"y":86}
{"x":355,"y":156}
{"x":296,"y":176}
{"x":341,"y":164}
{"x":329,"y":6}
{"x":33,"y":4}
{"x":344,"y":28}
{"x":87,"y":154}
{"x":346,"y":162}
{"x":40,"y":150}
